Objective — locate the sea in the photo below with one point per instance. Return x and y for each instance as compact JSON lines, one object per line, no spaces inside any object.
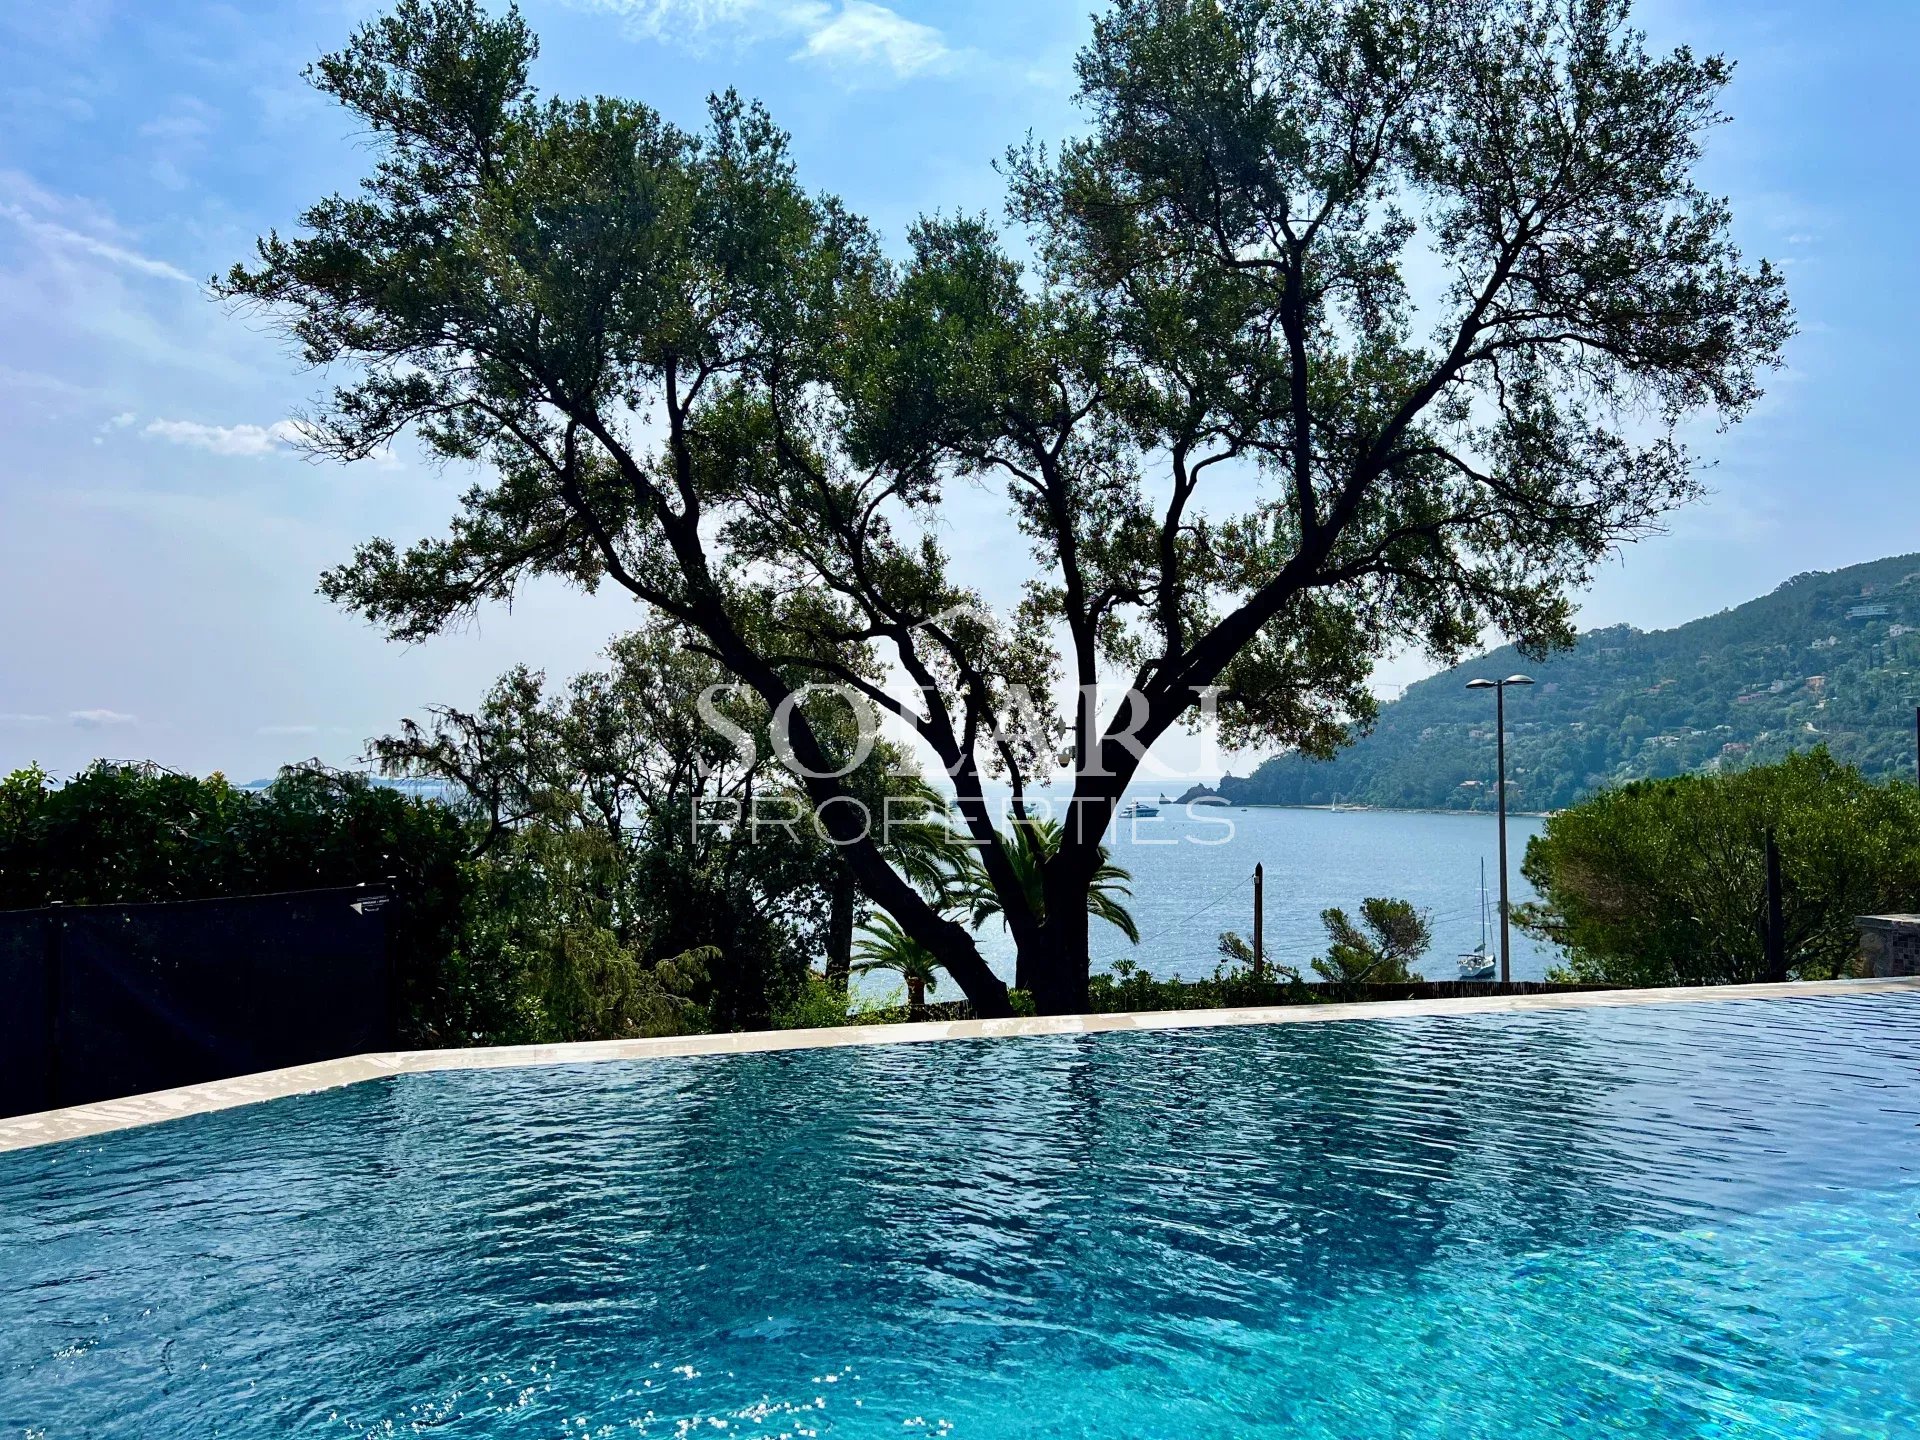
{"x":1191,"y":877}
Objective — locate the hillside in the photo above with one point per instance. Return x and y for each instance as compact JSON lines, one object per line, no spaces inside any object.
{"x":1828,"y":658}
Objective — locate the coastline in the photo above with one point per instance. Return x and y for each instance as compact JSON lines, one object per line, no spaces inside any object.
{"x":1214,"y":798}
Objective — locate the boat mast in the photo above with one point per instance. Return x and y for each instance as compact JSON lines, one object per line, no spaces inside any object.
{"x":1483,"y":904}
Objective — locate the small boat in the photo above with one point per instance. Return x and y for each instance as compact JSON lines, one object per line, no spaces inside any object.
{"x":1139,"y":810}
{"x":1481,"y":964}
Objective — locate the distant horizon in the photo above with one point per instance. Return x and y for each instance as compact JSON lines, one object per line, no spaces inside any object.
{"x":1242,"y":763}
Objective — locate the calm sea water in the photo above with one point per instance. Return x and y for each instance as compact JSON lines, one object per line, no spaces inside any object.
{"x":1188,"y":886}
{"x":1684,"y":1221}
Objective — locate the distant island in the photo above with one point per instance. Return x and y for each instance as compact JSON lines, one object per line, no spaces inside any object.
{"x":1828,"y":658}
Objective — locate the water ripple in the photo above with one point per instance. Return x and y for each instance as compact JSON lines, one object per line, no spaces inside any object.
{"x":1687,"y":1221}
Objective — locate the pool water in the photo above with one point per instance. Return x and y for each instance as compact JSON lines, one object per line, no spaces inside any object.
{"x":1686,"y":1220}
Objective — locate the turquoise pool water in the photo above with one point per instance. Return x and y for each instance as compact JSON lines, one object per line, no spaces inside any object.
{"x":1689,"y":1220}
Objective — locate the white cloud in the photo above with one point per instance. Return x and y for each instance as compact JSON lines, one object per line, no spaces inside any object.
{"x":15,"y":719}
{"x":865,"y":35}
{"x":685,"y":20}
{"x":188,"y":119}
{"x":60,"y":237}
{"x":249,"y":441}
{"x":855,"y":38}
{"x":118,"y":422}
{"x":179,"y":139}
{"x":99,"y":719}
{"x":228,"y":439}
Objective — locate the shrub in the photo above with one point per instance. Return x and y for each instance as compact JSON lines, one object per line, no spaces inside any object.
{"x":1380,"y":950}
{"x":817,"y":1004}
{"x":1664,"y":882}
{"x":121,"y":834}
{"x":1233,"y":984}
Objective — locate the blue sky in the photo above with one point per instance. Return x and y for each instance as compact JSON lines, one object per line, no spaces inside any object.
{"x":159,"y":539}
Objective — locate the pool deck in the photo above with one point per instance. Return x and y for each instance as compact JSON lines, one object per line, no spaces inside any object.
{"x":80,"y":1121}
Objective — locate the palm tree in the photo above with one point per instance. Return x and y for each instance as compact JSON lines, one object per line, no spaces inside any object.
{"x":915,"y":835}
{"x":883,"y":945}
{"x":921,"y":842}
{"x":1034,"y":842}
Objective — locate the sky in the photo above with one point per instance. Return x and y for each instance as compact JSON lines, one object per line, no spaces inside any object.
{"x":161,"y":537}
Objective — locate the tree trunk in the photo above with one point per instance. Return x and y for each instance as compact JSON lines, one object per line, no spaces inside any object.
{"x":840,"y":929}
{"x":1057,"y":973}
{"x":952,"y":945}
{"x":916,"y":998}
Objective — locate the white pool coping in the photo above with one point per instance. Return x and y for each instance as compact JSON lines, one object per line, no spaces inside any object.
{"x":81,"y":1121}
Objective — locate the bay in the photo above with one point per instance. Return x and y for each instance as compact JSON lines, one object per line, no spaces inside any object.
{"x":1192,"y":877}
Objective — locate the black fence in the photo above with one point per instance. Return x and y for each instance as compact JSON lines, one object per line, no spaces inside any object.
{"x":99,"y":1001}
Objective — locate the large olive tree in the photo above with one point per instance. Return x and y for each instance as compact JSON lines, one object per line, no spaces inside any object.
{"x":685,"y":376}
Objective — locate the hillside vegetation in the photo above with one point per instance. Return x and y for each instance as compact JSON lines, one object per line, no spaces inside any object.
{"x":1827,"y":659}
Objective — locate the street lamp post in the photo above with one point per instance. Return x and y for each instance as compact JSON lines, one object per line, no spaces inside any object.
{"x":1499,"y":688}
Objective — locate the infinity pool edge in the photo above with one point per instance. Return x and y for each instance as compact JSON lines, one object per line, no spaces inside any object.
{"x":47,"y":1127}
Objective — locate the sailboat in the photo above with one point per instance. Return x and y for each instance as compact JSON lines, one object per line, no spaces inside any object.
{"x":1481,"y":964}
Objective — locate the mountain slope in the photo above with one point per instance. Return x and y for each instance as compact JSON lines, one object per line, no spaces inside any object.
{"x":1828,"y":658}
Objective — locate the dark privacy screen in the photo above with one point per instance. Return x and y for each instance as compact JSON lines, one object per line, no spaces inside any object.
{"x":109,"y":1000}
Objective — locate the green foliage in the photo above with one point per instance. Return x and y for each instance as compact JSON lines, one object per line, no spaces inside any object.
{"x":544,"y":903}
{"x":1031,"y":844}
{"x":1233,"y":984}
{"x":884,"y":946}
{"x":949,"y":869}
{"x":818,"y":1005}
{"x":1663,"y":882}
{"x":1235,"y":949}
{"x":131,"y":833}
{"x":685,"y":375}
{"x":517,"y":944}
{"x":1750,"y":685}
{"x":630,"y":814}
{"x":567,"y":883}
{"x":1380,"y":950}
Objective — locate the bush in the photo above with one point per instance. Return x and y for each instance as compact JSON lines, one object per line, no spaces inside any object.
{"x":1233,"y":984}
{"x":123,"y":834}
{"x":817,"y":1004}
{"x":1664,"y":882}
{"x":1380,"y":950}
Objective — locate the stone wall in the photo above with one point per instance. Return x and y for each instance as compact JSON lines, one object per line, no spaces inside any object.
{"x":1889,"y":945}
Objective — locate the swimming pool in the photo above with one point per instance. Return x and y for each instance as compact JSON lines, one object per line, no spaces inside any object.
{"x":1686,"y":1220}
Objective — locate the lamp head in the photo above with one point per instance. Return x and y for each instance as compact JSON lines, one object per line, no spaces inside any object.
{"x":1482,"y":684}
{"x":1518,"y":680}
